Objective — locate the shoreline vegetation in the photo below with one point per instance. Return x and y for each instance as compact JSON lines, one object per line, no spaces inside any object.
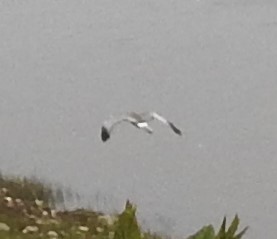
{"x":28,"y":211}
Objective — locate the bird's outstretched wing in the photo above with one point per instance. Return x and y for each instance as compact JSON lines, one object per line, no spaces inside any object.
{"x":154,"y":115}
{"x":110,"y":124}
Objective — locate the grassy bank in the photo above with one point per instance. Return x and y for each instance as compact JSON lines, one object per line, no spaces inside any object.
{"x":27,"y":210}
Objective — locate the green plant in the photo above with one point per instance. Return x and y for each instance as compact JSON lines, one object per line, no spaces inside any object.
{"x":231,"y":232}
{"x":127,"y":225}
{"x":208,"y":232}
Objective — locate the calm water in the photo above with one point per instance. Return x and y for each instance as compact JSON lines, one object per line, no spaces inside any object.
{"x":210,"y":66}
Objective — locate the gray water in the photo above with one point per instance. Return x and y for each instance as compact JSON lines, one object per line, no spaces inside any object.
{"x":209,"y":66}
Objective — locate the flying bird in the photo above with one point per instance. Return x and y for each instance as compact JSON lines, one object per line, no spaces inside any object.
{"x":139,"y":120}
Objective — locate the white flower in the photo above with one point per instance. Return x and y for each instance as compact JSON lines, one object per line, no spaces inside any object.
{"x":9,"y":201}
{"x":4,"y":227}
{"x":83,"y":228}
{"x":4,"y":190}
{"x":52,"y":234}
{"x":107,"y":219}
{"x":39,"y":221}
{"x":45,"y":213}
{"x":39,"y":203}
{"x":19,"y":202}
{"x":99,"y":229}
{"x":53,"y":213}
{"x":30,"y":229}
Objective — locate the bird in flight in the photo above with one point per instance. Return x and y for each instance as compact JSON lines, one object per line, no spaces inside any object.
{"x":139,"y":120}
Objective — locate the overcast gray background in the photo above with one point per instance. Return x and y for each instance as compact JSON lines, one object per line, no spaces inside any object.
{"x":209,"y":66}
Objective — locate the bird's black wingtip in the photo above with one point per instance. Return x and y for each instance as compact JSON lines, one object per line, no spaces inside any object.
{"x":104,"y":134}
{"x":175,"y":129}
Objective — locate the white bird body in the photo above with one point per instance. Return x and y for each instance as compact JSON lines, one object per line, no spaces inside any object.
{"x":139,"y":120}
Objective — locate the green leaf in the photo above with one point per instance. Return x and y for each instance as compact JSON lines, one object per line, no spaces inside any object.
{"x":127,"y":225}
{"x":221,"y":232}
{"x":233,"y":228}
{"x":239,"y":235}
{"x":206,"y":232}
